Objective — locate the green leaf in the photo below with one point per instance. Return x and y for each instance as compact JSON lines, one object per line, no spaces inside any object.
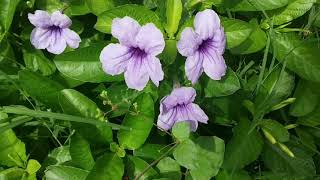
{"x":181,"y":130}
{"x":277,"y":130}
{"x":7,"y":9}
{"x":80,"y":152}
{"x":84,"y":65}
{"x":276,"y":87}
{"x":301,"y":165}
{"x":203,"y":157}
{"x":49,"y":5}
{"x":185,"y":154}
{"x":6,"y":56}
{"x":149,"y":151}
{"x":312,"y":119}
{"x":307,"y":139}
{"x":3,"y":116}
{"x":108,"y":166}
{"x":140,"y":119}
{"x":207,"y":4}
{"x":173,"y":12}
{"x":226,"y":109}
{"x":169,"y":168}
{"x":119,"y":97}
{"x":317,"y":19}
{"x":237,"y":31}
{"x":307,"y":97}
{"x":257,"y":5}
{"x":75,"y":103}
{"x":65,"y":172}
{"x":33,"y":166}
{"x":12,"y":150}
{"x":255,"y":42}
{"x":58,"y":156}
{"x":301,"y":56}
{"x":36,"y":61}
{"x":150,"y":4}
{"x":13,"y":173}
{"x":40,"y":88}
{"x":293,"y":10}
{"x":187,"y":23}
{"x":169,"y":54}
{"x":243,"y":148}
{"x":114,"y":147}
{"x":238,"y":175}
{"x":139,"y":13}
{"x":228,"y":85}
{"x":78,"y":7}
{"x":99,"y":6}
{"x":210,"y":157}
{"x":66,"y":81}
{"x":136,"y":166}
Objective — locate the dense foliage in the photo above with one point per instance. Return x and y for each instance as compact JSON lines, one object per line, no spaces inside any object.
{"x":62,"y":117}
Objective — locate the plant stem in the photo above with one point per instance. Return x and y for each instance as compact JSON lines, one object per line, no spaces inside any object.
{"x":272,"y":63}
{"x":66,"y":117}
{"x":53,"y":135}
{"x":156,"y":161}
{"x":16,"y":122}
{"x":163,"y":130}
{"x":245,"y":69}
{"x":264,"y":62}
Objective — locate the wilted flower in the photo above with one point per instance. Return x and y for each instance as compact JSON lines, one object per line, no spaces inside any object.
{"x":179,"y":106}
{"x":136,"y":53}
{"x":52,"y":32}
{"x":204,"y":47}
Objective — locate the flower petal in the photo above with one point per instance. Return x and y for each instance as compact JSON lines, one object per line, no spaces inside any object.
{"x":57,"y":44}
{"x":169,"y":101}
{"x":183,"y":114}
{"x":191,"y":113}
{"x":40,"y":38}
{"x":71,"y":37}
{"x":114,"y":58}
{"x":206,"y":22}
{"x":219,"y":40}
{"x":182,"y":95}
{"x":214,"y":65}
{"x":154,"y":69}
{"x":189,"y":42}
{"x":150,"y":39}
{"x":39,"y":19}
{"x":166,"y":118}
{"x":125,"y":30}
{"x":61,"y":20}
{"x":136,"y":75}
{"x":194,"y":67}
{"x":196,"y":113}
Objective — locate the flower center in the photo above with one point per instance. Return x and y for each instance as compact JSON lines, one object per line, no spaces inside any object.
{"x":137,"y":52}
{"x":181,"y":105}
{"x":204,"y":45}
{"x":54,"y":28}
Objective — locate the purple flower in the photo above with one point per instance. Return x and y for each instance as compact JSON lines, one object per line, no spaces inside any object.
{"x":179,"y":106}
{"x":52,"y":32}
{"x":136,"y":53}
{"x":204,"y":47}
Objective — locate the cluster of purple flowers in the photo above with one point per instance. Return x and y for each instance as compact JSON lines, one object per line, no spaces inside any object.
{"x":136,"y":56}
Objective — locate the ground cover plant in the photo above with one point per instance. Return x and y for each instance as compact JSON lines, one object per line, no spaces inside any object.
{"x":159,"y":89}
